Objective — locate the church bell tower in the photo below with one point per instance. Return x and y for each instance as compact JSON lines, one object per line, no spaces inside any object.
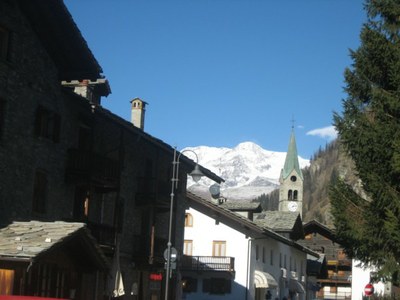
{"x":291,"y":181}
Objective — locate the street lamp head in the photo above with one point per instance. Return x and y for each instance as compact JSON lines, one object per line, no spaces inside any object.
{"x":196,"y":173}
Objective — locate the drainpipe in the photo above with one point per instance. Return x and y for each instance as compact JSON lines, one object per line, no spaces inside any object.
{"x":248,"y":267}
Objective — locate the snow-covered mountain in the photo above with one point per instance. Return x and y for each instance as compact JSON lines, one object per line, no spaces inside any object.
{"x":249,"y":170}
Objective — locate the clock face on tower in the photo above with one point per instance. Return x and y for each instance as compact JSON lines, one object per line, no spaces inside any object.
{"x":292,"y":206}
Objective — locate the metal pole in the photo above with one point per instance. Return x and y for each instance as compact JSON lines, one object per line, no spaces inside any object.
{"x":168,"y":271}
{"x":174,"y":184}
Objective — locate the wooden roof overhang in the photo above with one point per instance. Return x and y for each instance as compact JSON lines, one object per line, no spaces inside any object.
{"x":317,"y":227}
{"x":63,"y":41}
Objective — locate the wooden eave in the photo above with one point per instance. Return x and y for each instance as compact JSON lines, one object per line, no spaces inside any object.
{"x":317,"y":227}
{"x":59,"y":35}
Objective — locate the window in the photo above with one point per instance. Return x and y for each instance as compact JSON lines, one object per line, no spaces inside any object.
{"x":271,"y":258}
{"x":189,"y":285}
{"x":2,"y":114}
{"x":217,"y":286}
{"x":295,"y":195}
{"x":81,"y":203}
{"x":301,"y":268}
{"x":39,"y":192}
{"x":290,"y":195}
{"x":47,"y":124}
{"x":188,"y":220}
{"x":6,"y":281}
{"x":4,"y":38}
{"x":84,"y":137}
{"x":188,"y":247}
{"x":219,"y":248}
{"x":257,"y":253}
{"x":293,"y":178}
{"x":263,"y":254}
{"x":341,"y":255}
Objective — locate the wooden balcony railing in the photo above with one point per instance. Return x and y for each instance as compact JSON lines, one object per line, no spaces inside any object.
{"x":208,"y":263}
{"x":339,"y":263}
{"x":104,"y":234}
{"x":97,"y":169}
{"x":152,"y":192}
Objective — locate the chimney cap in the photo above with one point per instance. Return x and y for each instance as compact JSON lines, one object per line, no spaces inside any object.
{"x":137,"y":98}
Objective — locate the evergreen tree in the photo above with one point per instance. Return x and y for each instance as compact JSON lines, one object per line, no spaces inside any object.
{"x":369,"y":129}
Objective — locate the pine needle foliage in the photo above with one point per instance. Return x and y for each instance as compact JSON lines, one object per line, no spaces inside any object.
{"x":369,"y":129}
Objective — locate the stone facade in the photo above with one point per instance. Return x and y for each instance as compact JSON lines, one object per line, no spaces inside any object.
{"x":65,"y":158}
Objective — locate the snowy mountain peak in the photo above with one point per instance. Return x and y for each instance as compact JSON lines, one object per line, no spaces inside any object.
{"x":248,"y":146}
{"x":248,"y":169}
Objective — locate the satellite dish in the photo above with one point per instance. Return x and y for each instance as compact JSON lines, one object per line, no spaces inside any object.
{"x":214,"y":191}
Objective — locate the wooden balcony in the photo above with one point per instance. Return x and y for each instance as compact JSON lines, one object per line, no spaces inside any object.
{"x":339,"y":264}
{"x":153,"y":192}
{"x":104,"y":234}
{"x":146,"y":252}
{"x":91,"y":168}
{"x":208,"y":263}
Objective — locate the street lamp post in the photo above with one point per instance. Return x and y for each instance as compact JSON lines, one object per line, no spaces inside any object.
{"x":196,"y":175}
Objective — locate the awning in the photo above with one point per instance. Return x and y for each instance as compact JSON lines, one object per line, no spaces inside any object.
{"x":264,"y":280}
{"x":296,"y":286}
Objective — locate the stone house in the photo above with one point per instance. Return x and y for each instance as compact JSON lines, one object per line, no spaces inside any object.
{"x":63,"y":157}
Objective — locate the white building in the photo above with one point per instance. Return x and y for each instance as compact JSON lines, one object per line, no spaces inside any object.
{"x":228,"y":255}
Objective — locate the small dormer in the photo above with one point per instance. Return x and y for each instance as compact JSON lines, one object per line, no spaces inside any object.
{"x":138,"y":109}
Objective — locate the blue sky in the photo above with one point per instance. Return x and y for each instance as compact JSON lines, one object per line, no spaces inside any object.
{"x":222,"y":72}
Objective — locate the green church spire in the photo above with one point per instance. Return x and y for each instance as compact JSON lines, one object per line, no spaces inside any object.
{"x":291,"y":161}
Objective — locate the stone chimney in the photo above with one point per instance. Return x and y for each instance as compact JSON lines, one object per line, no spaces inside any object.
{"x":92,"y":90}
{"x":138,"y":109}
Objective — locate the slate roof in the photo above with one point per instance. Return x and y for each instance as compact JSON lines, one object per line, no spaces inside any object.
{"x":29,"y":240}
{"x":238,"y":205}
{"x":277,"y":220}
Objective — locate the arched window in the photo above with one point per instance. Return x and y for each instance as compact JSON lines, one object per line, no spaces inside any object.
{"x":290,"y":195}
{"x":188,"y":220}
{"x":295,"y":195}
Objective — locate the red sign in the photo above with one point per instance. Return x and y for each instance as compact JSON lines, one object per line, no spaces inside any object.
{"x":156,"y":276}
{"x":369,"y":289}
{"x":14,"y":297}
